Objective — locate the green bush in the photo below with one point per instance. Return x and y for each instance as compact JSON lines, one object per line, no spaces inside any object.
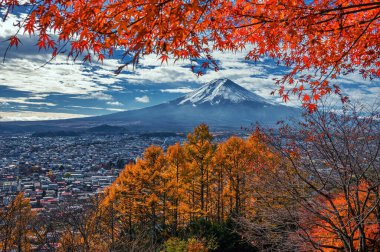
{"x":175,"y":244}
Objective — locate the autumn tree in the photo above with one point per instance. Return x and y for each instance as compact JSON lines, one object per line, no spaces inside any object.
{"x":267,"y":222}
{"x":98,"y":224}
{"x":44,"y":232}
{"x":122,"y":197}
{"x":143,"y":191}
{"x":80,"y":227}
{"x":235,"y":158}
{"x":163,"y":191}
{"x":178,"y":167}
{"x":361,"y":230}
{"x":200,"y":151}
{"x":317,"y":40}
{"x":15,"y":225}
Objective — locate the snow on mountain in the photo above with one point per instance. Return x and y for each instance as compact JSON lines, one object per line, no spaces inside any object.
{"x":220,"y":91}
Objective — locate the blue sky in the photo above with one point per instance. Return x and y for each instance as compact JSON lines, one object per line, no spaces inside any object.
{"x":65,"y":89}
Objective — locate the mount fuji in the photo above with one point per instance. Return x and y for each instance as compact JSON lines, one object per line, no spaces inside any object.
{"x":221,"y":91}
{"x":222,"y":104}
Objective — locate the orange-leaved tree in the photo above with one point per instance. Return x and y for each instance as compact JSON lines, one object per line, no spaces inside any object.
{"x":356,"y":211}
{"x":200,"y":151}
{"x":178,"y":168}
{"x":235,"y":159}
{"x":16,"y":222}
{"x":318,"y":40}
{"x":142,"y":192}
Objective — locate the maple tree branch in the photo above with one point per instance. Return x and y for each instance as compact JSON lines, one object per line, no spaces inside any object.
{"x":349,"y":26}
{"x":357,"y":39}
{"x":20,"y":25}
{"x":340,"y":8}
{"x":267,"y":19}
{"x":53,"y":57}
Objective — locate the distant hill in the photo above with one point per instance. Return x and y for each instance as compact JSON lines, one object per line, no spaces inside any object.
{"x":55,"y":134}
{"x":105,"y":128}
{"x":159,"y":134}
{"x":29,"y":127}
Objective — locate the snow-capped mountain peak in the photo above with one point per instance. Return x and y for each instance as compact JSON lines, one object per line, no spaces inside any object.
{"x":220,"y":91}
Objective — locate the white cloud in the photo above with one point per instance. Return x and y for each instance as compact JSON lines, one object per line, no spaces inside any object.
{"x":25,"y":100}
{"x":143,"y":99}
{"x":35,"y":116}
{"x":98,"y":108}
{"x":22,"y":69}
{"x":23,"y":74}
{"x":115,"y":103}
{"x":180,"y":90}
{"x":96,"y":95}
{"x":7,"y":27}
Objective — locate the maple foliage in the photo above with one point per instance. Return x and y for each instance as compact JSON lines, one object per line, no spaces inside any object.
{"x":318,"y":40}
{"x":350,"y":213}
